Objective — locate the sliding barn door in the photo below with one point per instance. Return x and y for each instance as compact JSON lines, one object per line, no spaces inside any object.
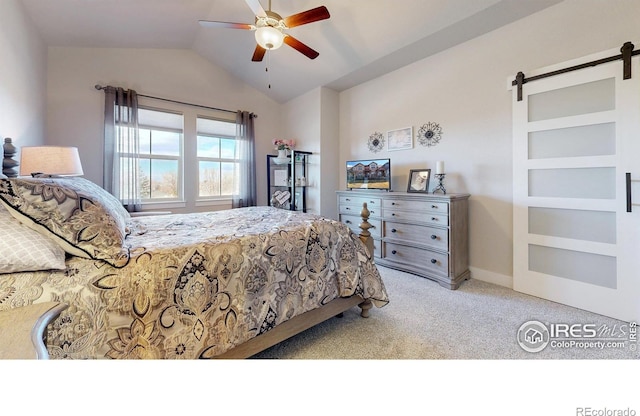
{"x":576,"y":136}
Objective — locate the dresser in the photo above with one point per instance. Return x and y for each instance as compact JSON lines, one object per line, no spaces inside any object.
{"x":424,"y":234}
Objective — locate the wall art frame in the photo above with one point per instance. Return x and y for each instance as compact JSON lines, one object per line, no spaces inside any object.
{"x":400,"y":139}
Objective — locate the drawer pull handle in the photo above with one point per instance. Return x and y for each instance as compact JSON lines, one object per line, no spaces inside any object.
{"x":434,"y":206}
{"x":348,"y":199}
{"x":347,"y":222}
{"x":434,"y":219}
{"x":433,"y":236}
{"x":393,"y":252}
{"x":371,"y":202}
{"x":371,"y":212}
{"x":434,"y":261}
{"x":347,"y":208}
{"x":393,"y":203}
{"x":393,"y":230}
{"x":393,"y":214}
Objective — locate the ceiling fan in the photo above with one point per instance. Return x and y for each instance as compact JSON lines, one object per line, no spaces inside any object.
{"x":270,"y":28}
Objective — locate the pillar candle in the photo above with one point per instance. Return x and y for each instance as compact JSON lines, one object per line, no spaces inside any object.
{"x":439,"y":167}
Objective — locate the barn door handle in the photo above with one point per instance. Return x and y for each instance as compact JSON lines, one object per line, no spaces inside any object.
{"x":628,"y":179}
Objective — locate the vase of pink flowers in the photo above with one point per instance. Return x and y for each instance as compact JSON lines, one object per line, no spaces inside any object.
{"x":283,"y":146}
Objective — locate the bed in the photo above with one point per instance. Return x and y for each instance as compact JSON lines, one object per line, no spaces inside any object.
{"x":222,"y":284}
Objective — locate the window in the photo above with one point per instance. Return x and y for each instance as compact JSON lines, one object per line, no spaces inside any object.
{"x":161,"y":155}
{"x":186,"y":159}
{"x":217,"y":157}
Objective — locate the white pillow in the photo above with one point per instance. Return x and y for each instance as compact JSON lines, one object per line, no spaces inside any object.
{"x":24,"y":250}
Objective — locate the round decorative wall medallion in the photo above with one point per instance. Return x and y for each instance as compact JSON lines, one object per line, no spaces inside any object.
{"x":376,"y":142}
{"x":429,"y":134}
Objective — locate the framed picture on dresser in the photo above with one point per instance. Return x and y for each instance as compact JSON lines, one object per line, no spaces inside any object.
{"x":419,"y":180}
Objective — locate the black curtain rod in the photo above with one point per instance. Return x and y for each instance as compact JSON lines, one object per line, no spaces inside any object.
{"x":100,"y":87}
{"x":627,"y":53}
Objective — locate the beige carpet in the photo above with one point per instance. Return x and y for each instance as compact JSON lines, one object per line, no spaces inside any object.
{"x":426,"y":321}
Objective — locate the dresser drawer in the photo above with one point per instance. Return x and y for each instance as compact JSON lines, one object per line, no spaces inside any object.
{"x":415,"y":216}
{"x":354,"y":223}
{"x":374,"y":211}
{"x":419,"y":206}
{"x":437,"y":238}
{"x":416,"y":257}
{"x":372,"y":202}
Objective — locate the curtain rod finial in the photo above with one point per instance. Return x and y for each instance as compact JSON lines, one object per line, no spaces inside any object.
{"x":98,"y":87}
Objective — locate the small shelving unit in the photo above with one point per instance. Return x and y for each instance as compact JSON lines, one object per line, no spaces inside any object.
{"x":287,"y":182}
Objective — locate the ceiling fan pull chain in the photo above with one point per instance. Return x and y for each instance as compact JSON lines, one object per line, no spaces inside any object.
{"x":267,"y":69}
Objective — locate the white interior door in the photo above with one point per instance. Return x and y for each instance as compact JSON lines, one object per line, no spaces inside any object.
{"x":576,"y":135}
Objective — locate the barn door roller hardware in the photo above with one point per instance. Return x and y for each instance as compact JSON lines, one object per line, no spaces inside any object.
{"x":626,"y":53}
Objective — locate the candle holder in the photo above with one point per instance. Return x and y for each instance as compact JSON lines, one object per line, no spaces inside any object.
{"x":440,"y":187}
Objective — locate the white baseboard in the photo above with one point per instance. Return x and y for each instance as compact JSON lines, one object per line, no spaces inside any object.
{"x":491,"y":277}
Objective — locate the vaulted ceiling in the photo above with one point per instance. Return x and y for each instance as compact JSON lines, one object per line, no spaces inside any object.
{"x":361,"y":40}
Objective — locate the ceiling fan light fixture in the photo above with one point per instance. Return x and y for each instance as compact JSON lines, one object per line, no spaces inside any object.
{"x":269,"y":37}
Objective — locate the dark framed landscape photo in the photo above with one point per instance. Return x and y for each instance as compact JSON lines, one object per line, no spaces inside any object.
{"x":419,"y":180}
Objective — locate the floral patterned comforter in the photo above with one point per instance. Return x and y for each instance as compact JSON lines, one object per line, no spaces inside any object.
{"x":196,"y":285}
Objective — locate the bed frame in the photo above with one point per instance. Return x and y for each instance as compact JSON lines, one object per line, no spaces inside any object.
{"x":308,"y":319}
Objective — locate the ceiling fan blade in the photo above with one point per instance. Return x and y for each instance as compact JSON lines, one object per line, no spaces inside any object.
{"x":310,"y":16}
{"x":255,"y":7}
{"x":228,"y":25}
{"x":300,"y":47}
{"x":258,"y":54}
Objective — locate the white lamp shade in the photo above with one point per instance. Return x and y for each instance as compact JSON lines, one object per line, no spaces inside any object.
{"x":50,"y":160}
{"x":269,"y":37}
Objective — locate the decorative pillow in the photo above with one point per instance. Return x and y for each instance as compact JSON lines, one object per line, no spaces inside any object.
{"x":24,"y":250}
{"x":84,"y":219}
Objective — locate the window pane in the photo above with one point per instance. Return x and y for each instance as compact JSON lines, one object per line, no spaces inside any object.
{"x":156,"y":118}
{"x":216,"y":127}
{"x":208,"y":147}
{"x":145,"y":141}
{"x":570,"y":101}
{"x":589,"y":140}
{"x":145,"y":178}
{"x":227,"y":182}
{"x":595,"y":269}
{"x":165,"y":143}
{"x":209,"y":178}
{"x":228,"y":148}
{"x":593,"y":183}
{"x":164,"y":178}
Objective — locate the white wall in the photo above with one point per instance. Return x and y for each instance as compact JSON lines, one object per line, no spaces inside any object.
{"x":312,"y":120}
{"x":330,"y":167}
{"x":465,"y":90}
{"x":23,"y":63}
{"x":301,"y":119}
{"x":75,"y":109}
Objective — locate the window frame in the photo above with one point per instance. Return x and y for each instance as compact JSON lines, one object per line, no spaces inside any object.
{"x":188,"y":169}
{"x":200,"y":200}
{"x":180,"y":158}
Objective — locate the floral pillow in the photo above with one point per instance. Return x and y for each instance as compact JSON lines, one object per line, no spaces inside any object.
{"x":84,"y":219}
